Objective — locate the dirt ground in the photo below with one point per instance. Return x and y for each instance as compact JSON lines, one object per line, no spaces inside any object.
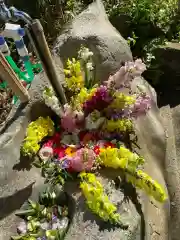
{"x":5,"y":104}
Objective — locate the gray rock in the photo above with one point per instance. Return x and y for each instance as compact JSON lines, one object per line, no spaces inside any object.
{"x":86,"y":225}
{"x":152,"y":141}
{"x":93,"y":29}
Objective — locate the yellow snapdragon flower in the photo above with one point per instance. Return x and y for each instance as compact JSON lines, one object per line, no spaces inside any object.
{"x":97,"y":201}
{"x":122,"y":101}
{"x":73,"y":75}
{"x":36,"y":131}
{"x":124,"y":159}
{"x":82,"y":96}
{"x":121,"y":125}
{"x":119,"y":158}
{"x":143,"y":181}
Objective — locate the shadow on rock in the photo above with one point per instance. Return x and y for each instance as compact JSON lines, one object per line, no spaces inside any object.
{"x":131,"y":195}
{"x":168,"y":97}
{"x":25,"y":163}
{"x":89,"y":216}
{"x":14,"y":202}
{"x":40,"y":109}
{"x":13,"y":116}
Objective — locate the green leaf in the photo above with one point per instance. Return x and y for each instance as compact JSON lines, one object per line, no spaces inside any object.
{"x":51,"y":234}
{"x":37,"y":164}
{"x":32,"y":204}
{"x":30,"y":227}
{"x":60,"y":210}
{"x":25,"y":212}
{"x":17,"y":237}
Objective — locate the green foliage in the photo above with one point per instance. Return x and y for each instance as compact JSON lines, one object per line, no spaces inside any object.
{"x":158,"y":12}
{"x":132,"y":40}
{"x":52,"y":173}
{"x":55,"y":13}
{"x":150,"y":25}
{"x":34,"y":214}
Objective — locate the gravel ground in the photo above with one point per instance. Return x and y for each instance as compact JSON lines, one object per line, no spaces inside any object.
{"x":5,"y":104}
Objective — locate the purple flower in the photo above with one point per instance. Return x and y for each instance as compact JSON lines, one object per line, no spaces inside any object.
{"x":54,"y":217}
{"x":116,"y":114}
{"x":66,"y":163}
{"x":100,"y":100}
{"x":141,"y":107}
{"x":111,"y":136}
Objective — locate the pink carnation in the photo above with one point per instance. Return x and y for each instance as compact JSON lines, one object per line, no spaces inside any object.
{"x":83,"y":160}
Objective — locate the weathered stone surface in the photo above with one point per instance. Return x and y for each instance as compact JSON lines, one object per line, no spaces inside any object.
{"x":93,"y":29}
{"x":86,"y":225}
{"x":172,"y":173}
{"x":152,"y":141}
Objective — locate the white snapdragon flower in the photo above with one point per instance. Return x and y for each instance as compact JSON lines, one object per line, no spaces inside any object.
{"x":89,"y":66}
{"x":85,"y":54}
{"x":52,"y":101}
{"x":91,"y":124}
{"x":68,"y":139}
{"x":45,"y":226}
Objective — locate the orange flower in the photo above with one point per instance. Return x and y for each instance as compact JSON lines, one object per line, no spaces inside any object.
{"x":101,"y":150}
{"x":70,"y":151}
{"x":109,"y":145}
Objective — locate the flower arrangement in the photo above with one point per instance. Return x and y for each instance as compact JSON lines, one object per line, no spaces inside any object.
{"x":92,"y":133}
{"x":42,"y":220}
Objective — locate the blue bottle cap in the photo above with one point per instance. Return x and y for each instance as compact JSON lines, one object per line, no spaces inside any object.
{"x":21,"y":32}
{"x":2,"y":40}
